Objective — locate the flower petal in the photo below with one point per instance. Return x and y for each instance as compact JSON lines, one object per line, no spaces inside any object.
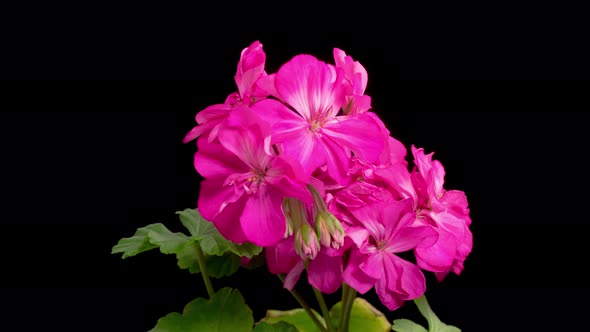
{"x":248,"y":144}
{"x":281,"y":257}
{"x":440,"y":256}
{"x":293,"y":276}
{"x":263,"y":220}
{"x":325,"y":273}
{"x":360,"y":134}
{"x":411,"y":283}
{"x":310,"y":86}
{"x":212,"y":160}
{"x":214,"y":197}
{"x":354,"y":276}
{"x":226,"y":220}
{"x":373,"y":265}
{"x":409,"y":238}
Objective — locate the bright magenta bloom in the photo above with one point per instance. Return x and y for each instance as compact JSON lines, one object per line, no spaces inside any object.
{"x":315,"y":134}
{"x":446,"y":211}
{"x":382,"y":230}
{"x":250,"y":70}
{"x":324,"y":271}
{"x":355,"y":83}
{"x":245,"y":184}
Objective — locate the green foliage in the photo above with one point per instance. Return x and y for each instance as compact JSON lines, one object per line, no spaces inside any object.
{"x":298,"y":317}
{"x":276,"y":327}
{"x":225,"y":311}
{"x":363,"y":317}
{"x":221,"y":256}
{"x":434,"y":323}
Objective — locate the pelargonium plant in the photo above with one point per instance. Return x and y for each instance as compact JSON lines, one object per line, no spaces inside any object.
{"x":300,"y":174}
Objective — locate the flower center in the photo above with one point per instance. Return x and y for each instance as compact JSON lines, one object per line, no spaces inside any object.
{"x":257,"y":176}
{"x":314,"y":126}
{"x":379,"y":244}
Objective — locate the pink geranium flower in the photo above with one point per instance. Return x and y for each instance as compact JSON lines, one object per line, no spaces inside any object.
{"x":315,"y":134}
{"x":446,"y":211}
{"x":324,"y":271}
{"x":245,"y":184}
{"x":381,"y":231}
{"x":355,"y":82}
{"x":250,"y":70}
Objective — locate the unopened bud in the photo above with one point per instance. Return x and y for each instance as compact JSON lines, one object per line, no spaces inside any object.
{"x":306,"y":242}
{"x":329,"y":230}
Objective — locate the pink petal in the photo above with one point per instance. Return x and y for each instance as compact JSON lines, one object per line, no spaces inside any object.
{"x":358,"y":235}
{"x":438,"y":257}
{"x":309,"y":86}
{"x":263,"y":220}
{"x":370,"y":218}
{"x":265,"y":86}
{"x":358,"y":133}
{"x":337,"y":159}
{"x":305,"y":147}
{"x":409,"y":238}
{"x":282,"y":257}
{"x":397,"y":177}
{"x":351,"y":67}
{"x":293,"y":276}
{"x":354,"y":276}
{"x":413,"y":283}
{"x":457,"y":201}
{"x":396,"y":215}
{"x":248,"y":144}
{"x":325,"y":273}
{"x":226,"y":221}
{"x":213,"y":160}
{"x":250,"y":68}
{"x":390,"y":299}
{"x":288,"y":179}
{"x":199,"y":130}
{"x":214,"y":197}
{"x":373,"y":265}
{"x":213,"y":112}
{"x":450,"y":223}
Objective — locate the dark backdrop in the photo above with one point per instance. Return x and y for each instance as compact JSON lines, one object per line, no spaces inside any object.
{"x":91,"y":150}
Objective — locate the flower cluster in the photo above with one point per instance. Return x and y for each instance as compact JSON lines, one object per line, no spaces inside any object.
{"x":298,"y":163}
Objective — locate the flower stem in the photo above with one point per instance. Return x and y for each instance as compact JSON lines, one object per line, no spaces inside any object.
{"x":306,"y":307}
{"x":324,"y":308}
{"x":348,"y":296}
{"x":203,"y":267}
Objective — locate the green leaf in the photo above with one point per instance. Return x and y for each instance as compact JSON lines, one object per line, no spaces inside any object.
{"x":406,"y":325}
{"x":276,"y":327}
{"x":225,"y":311}
{"x":222,"y":256}
{"x":212,"y":242}
{"x":187,"y":257}
{"x":138,"y":243}
{"x":169,"y":243}
{"x":297,"y":317}
{"x":223,"y":266}
{"x":247,"y":249}
{"x":434,"y":323}
{"x":363,"y":317}
{"x":217,"y":266}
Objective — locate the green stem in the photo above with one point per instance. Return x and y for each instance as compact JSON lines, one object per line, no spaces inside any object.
{"x":203,"y":267}
{"x":324,"y":308}
{"x":306,"y":307}
{"x":349,"y":294}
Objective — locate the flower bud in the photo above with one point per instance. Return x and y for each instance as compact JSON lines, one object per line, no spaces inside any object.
{"x":329,"y":230}
{"x":306,"y":242}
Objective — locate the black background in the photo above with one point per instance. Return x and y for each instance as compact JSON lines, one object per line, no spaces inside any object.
{"x":96,"y":109}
